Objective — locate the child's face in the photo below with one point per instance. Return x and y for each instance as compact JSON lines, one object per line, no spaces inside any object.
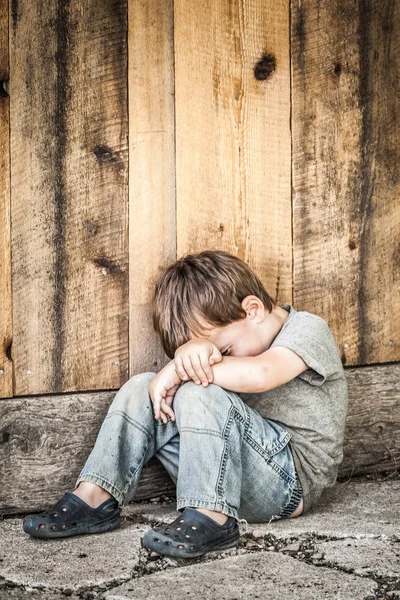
{"x":245,"y":337}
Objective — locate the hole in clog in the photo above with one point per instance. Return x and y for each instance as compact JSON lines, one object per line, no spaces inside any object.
{"x":178,"y":528}
{"x":156,"y":540}
{"x":167,"y":543}
{"x":192,"y":547}
{"x":63,"y":526}
{"x":42,"y":526}
{"x":188,"y":536}
{"x":54,"y":514}
{"x":74,"y":524}
{"x":180,"y":547}
{"x":54,"y":527}
{"x":194,"y":527}
{"x":181,"y":521}
{"x":64,"y":509}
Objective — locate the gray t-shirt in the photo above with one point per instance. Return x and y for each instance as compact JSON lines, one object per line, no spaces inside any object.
{"x":311,"y":407}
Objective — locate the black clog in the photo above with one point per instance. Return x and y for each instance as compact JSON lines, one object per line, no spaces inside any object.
{"x":73,"y":516}
{"x":192,"y":534}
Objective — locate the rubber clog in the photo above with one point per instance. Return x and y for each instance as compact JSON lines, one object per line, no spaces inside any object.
{"x":192,"y":534}
{"x":73,"y":516}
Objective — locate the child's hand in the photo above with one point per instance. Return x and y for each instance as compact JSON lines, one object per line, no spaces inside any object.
{"x":193,"y":360}
{"x":162,"y":390}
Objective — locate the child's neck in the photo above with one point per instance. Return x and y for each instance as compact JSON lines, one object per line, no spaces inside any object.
{"x":274,"y":322}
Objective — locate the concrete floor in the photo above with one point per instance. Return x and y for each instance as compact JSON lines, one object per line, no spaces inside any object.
{"x":346,"y":548}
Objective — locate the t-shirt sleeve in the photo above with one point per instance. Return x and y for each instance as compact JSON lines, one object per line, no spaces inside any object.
{"x":310,"y":337}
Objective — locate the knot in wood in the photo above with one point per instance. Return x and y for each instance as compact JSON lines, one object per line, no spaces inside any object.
{"x":265,"y":67}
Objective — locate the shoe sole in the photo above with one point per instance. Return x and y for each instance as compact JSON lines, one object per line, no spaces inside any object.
{"x":176,"y":553}
{"x":80,"y":530}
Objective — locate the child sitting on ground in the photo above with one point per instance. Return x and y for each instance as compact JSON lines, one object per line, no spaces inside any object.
{"x":248,"y":417}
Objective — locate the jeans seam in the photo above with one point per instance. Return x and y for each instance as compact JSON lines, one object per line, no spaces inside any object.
{"x":133,"y":473}
{"x":210,"y":505}
{"x":296,"y":493}
{"x":267,"y":454}
{"x":227,"y":430}
{"x":202,"y":431}
{"x":247,"y":424}
{"x":278,"y":469}
{"x":130,"y":421}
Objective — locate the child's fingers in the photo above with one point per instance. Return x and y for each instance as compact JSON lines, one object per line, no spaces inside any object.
{"x":195,"y":370}
{"x":156,"y":399}
{"x":167,"y":410}
{"x":207,"y":369}
{"x":156,"y":409}
{"x":180,"y":369}
{"x":200,"y":365}
{"x":188,"y":367}
{"x":163,"y":417}
{"x":215,"y":356}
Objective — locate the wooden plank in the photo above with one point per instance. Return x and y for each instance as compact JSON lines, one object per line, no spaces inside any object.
{"x":69,"y":195}
{"x":152,"y":237}
{"x":346,"y":152}
{"x":5,"y":213}
{"x":47,"y":439}
{"x":233,"y":146}
{"x":372,"y":436}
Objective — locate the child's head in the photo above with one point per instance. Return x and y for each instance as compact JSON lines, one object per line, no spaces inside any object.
{"x":199,"y":290}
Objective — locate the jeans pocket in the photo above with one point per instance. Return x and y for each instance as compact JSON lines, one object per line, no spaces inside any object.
{"x":265,"y":436}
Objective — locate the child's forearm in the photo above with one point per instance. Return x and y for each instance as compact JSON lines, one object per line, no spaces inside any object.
{"x":241,"y":374}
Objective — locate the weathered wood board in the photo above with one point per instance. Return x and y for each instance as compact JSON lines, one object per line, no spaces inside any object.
{"x":152,"y":231}
{"x":346,"y":177}
{"x":46,"y":440}
{"x":69,"y":195}
{"x":233,"y":141}
{"x":5,"y":213}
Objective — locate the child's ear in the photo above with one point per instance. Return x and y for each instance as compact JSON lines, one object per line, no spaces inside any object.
{"x":254,"y":308}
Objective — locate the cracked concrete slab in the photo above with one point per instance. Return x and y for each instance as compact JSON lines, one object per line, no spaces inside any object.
{"x":379,"y":558}
{"x":359,"y":510}
{"x":247,"y":576}
{"x":366,"y":515}
{"x":72,"y":563}
{"x":17,"y":593}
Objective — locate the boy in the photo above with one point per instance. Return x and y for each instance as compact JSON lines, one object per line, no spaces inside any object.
{"x":248,"y":417}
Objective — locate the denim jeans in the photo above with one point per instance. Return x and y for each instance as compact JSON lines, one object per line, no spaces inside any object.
{"x":221,"y":454}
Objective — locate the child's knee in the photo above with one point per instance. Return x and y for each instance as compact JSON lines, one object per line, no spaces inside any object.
{"x":193,"y":398}
{"x":134,"y":393}
{"x":138,"y":384}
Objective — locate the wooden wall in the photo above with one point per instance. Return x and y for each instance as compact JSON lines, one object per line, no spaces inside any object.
{"x":69,"y":187}
{"x":346,"y":177}
{"x":133,"y":132}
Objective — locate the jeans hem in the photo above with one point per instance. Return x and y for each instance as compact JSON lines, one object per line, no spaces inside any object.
{"x":98,"y":480}
{"x":294,"y":500}
{"x":181,"y":503}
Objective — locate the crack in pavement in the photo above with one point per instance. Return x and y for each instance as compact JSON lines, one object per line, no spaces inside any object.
{"x":302,"y":547}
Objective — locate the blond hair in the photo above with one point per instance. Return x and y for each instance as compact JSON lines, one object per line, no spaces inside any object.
{"x":209,"y":286}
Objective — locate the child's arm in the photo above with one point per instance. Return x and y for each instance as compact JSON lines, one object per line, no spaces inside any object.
{"x":251,"y":374}
{"x":255,"y":374}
